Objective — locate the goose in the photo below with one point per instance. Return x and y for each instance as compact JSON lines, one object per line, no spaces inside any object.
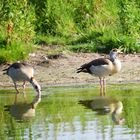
{"x":102,"y":67}
{"x":25,"y":73}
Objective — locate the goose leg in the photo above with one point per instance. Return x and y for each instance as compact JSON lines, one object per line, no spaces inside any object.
{"x":17,"y":92}
{"x":104,"y":86}
{"x":24,"y":83}
{"x":24,"y":93}
{"x":101,"y":87}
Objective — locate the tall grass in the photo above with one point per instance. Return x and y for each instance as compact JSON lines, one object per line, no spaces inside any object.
{"x":105,"y":24}
{"x":17,"y":30}
{"x":14,"y":52}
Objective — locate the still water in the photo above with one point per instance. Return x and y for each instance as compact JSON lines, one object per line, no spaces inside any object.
{"x":72,"y":113}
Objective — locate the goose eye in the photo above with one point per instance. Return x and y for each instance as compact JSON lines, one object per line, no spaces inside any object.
{"x":114,"y":50}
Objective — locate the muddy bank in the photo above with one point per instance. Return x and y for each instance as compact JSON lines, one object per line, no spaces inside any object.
{"x":62,"y":69}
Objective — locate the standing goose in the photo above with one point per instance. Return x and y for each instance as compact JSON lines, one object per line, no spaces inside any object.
{"x":23,"y":72}
{"x":103,"y":67}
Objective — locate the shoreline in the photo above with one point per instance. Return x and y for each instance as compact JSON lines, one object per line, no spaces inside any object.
{"x":62,"y":71}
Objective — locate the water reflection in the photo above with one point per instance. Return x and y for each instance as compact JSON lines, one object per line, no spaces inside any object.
{"x":58,"y":116}
{"x":104,"y":106}
{"x":23,"y":111}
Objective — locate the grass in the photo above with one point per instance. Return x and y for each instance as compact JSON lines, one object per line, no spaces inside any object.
{"x":50,"y":40}
{"x":89,"y":47}
{"x":89,"y":26}
{"x":14,"y":52}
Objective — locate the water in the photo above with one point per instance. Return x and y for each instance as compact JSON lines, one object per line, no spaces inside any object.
{"x":72,"y":113}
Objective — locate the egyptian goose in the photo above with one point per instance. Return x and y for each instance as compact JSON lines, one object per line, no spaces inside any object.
{"x":103,"y":67}
{"x":23,"y":72}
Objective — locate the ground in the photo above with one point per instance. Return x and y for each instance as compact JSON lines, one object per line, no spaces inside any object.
{"x":61,"y":70}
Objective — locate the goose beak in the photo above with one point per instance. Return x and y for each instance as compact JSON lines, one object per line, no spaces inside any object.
{"x":119,"y":51}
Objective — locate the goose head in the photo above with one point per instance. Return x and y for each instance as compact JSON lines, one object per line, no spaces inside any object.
{"x":114,"y":53}
{"x":36,"y":86}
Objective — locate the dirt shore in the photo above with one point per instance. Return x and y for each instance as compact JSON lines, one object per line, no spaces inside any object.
{"x":61,"y":70}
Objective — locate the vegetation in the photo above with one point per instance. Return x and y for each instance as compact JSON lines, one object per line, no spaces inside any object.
{"x":80,"y":25}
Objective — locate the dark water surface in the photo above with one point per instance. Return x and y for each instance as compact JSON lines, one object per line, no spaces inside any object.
{"x":72,"y":113}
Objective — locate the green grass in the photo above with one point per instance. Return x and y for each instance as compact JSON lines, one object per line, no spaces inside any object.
{"x":50,"y":40}
{"x":16,"y":51}
{"x":87,"y":26}
{"x":89,"y":47}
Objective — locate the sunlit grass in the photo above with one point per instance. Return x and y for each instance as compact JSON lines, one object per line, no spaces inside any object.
{"x":91,"y":26}
{"x":15,"y":52}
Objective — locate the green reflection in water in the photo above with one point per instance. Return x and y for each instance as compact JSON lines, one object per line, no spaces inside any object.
{"x":60,"y":115}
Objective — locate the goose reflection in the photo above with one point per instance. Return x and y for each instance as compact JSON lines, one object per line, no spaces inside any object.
{"x":106,"y":105}
{"x":23,"y":111}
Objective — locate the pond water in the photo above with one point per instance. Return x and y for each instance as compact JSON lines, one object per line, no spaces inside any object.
{"x":72,"y":113}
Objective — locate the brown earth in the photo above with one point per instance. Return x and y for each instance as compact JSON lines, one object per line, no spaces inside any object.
{"x":60,"y":69}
